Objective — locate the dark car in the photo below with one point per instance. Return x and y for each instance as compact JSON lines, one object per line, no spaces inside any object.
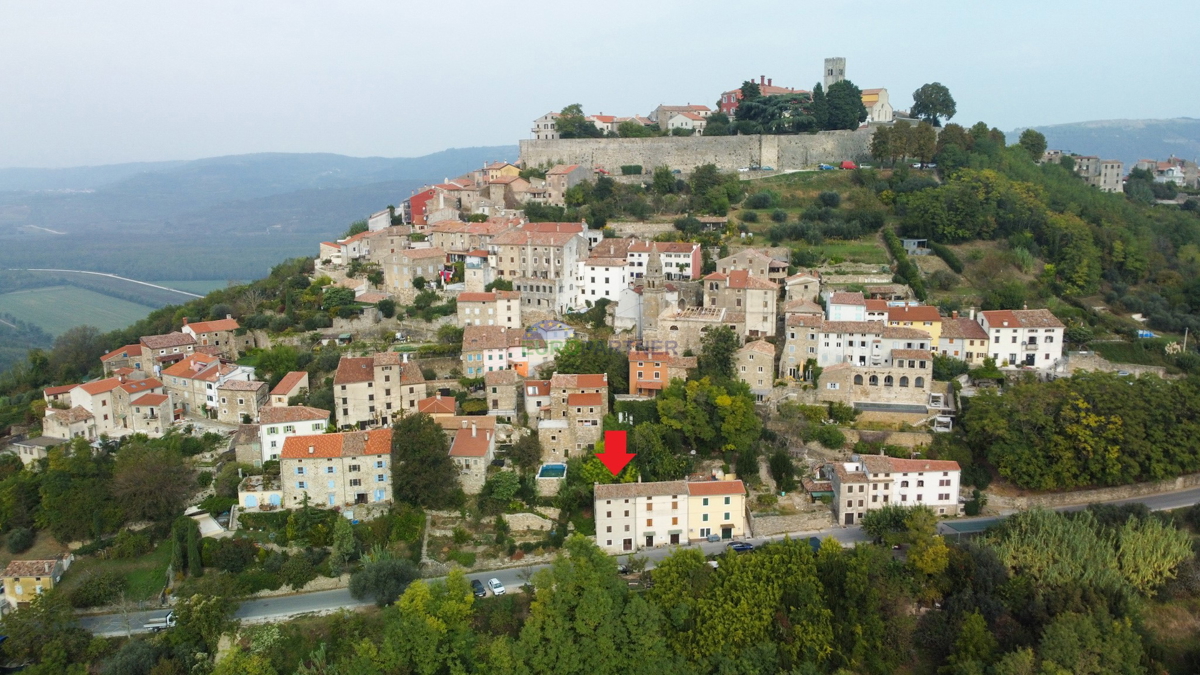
{"x":477,"y":587}
{"x":740,"y":546}
{"x":622,"y":569}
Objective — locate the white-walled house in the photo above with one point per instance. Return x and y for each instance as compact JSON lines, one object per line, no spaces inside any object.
{"x":1023,"y":337}
{"x":845,"y":306}
{"x":278,"y":423}
{"x":875,"y":481}
{"x":601,"y":278}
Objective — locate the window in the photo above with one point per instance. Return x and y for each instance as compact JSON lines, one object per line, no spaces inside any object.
{"x":903,"y":483}
{"x":858,"y":379}
{"x":355,"y":482}
{"x":887,"y":381}
{"x":873,"y":381}
{"x":299,"y":471}
{"x":727,"y":501}
{"x":920,"y":483}
{"x":704,"y":501}
{"x":329,"y":469}
{"x":726,"y":516}
{"x":301,"y":485}
{"x":380,"y":478}
{"x":920,"y":382}
{"x":704,"y":517}
{"x":904,"y":381}
{"x":353,"y":468}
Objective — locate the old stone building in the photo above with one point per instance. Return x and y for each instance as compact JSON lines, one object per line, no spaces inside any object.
{"x":754,"y":364}
{"x":542,"y":265}
{"x":402,"y":268}
{"x":741,"y":292}
{"x":341,"y":469}
{"x":240,"y":401}
{"x":496,"y":308}
{"x":374,"y":390}
{"x":756,"y":263}
{"x":578,"y":404}
{"x":502,"y":389}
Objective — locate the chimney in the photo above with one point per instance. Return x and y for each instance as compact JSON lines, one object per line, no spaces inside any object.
{"x":472,"y":430}
{"x":311,"y":449}
{"x":954,"y":314}
{"x":185,"y":320}
{"x":769,"y":81}
{"x":439,"y":396}
{"x":762,"y":79}
{"x":228,"y":316}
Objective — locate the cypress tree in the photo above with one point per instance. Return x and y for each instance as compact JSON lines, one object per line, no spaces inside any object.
{"x":195,"y":564}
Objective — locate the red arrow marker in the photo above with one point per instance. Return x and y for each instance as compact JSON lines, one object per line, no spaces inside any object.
{"x":614,"y":456}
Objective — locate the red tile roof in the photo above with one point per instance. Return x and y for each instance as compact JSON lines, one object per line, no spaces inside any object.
{"x":585,"y":399}
{"x":101,"y":386}
{"x":846,"y":298}
{"x":352,"y":369}
{"x":289,"y":383}
{"x":471,"y":442}
{"x":562,"y":169}
{"x":126,"y":351}
{"x":571,"y":381}
{"x":885,"y":464}
{"x":918,"y":313}
{"x":137,"y":386}
{"x":58,"y":391}
{"x":214,"y":326}
{"x":281,"y":414}
{"x":151,"y":399}
{"x":709,"y":488}
{"x":436,"y":405}
{"x":168,"y":340}
{"x":348,"y":444}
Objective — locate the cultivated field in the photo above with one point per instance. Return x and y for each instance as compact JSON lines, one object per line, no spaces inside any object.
{"x":59,"y":308}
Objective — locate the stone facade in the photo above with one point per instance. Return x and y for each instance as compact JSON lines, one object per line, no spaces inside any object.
{"x":337,"y":469}
{"x":503,"y":391}
{"x":239,"y":401}
{"x":372,"y":391}
{"x":754,"y":364}
{"x":728,"y":153}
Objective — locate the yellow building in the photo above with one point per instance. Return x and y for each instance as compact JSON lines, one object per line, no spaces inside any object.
{"x":920,"y":317}
{"x":26,"y":579}
{"x":716,"y":507}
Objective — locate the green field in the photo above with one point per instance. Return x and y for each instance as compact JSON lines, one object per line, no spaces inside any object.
{"x":201,"y":286}
{"x":59,"y":308}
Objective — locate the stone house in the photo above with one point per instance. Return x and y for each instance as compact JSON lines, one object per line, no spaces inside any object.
{"x":803,"y":285}
{"x":75,"y":422}
{"x":875,"y":481}
{"x":920,"y":317}
{"x":542,"y":265}
{"x":192,"y":382}
{"x":537,"y":398}
{"x":489,"y":348}
{"x":754,"y":364}
{"x":374,"y":390}
{"x":26,"y":579}
{"x":472,"y":451}
{"x":457,"y":238}
{"x":503,"y":391}
{"x":222,"y":334}
{"x":403,"y":267}
{"x":437,"y":406}
{"x":279,"y":423}
{"x":293,"y":384}
{"x":497,"y":308}
{"x":903,"y":385}
{"x":741,"y":292}
{"x":381,"y":245}
{"x":247,"y":445}
{"x":341,"y":469}
{"x":150,"y":414}
{"x":662,"y":114}
{"x":802,"y":335}
{"x":160,"y":351}
{"x":129,"y":356}
{"x":682,"y":330}
{"x":58,"y":395}
{"x":756,"y":263}
{"x":564,"y":177}
{"x":239,"y":401}
{"x":573,"y":423}
{"x":688,"y":121}
{"x":544,"y":127}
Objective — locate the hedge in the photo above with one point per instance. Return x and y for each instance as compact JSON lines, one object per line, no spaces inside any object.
{"x":942,"y":251}
{"x":631,"y":169}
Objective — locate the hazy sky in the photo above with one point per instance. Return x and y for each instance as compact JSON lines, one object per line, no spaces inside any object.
{"x":97,"y":82}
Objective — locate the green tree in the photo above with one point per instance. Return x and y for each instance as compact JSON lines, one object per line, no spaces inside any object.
{"x":717,"y":348}
{"x":974,"y":644}
{"x":336,"y":296}
{"x":655,"y":460}
{"x":663,"y":181}
{"x":422,"y":471}
{"x":200,"y":620}
{"x":924,"y":142}
{"x":241,"y":662}
{"x":357,"y":227}
{"x":846,"y":109}
{"x":717,"y":124}
{"x":881,"y":144}
{"x":151,"y":483}
{"x":194,"y":561}
{"x":382,"y":580}
{"x":634,"y":129}
{"x":76,"y":493}
{"x":432,"y":631}
{"x":571,"y":123}
{"x":345,"y":546}
{"x":44,"y":632}
{"x":750,"y":91}
{"x":782,"y":470}
{"x":278,"y":361}
{"x":933,"y":103}
{"x":1034,"y":143}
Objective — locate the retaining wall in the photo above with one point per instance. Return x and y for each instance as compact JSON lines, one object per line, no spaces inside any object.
{"x":1025,"y":501}
{"x":684,"y":153}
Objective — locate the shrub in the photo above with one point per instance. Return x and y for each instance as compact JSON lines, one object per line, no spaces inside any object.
{"x":428,"y":373}
{"x":631,"y":169}
{"x":204,"y":479}
{"x":830,"y":199}
{"x":749,"y":216}
{"x":461,"y":536}
{"x":766,"y":199}
{"x":20,"y":539}
{"x":779,"y":216}
{"x":96,"y":590}
{"x":130,"y":544}
{"x":942,"y":251}
{"x":830,"y":437}
{"x":297,"y":571}
{"x":383,"y":580}
{"x":234,"y":555}
{"x":217,"y":505}
{"x":253,"y":581}
{"x":464,"y":558}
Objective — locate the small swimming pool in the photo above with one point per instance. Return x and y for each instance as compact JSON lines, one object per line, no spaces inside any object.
{"x":552,"y":471}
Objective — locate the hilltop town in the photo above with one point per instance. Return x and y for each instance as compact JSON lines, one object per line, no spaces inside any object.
{"x":805,"y":326}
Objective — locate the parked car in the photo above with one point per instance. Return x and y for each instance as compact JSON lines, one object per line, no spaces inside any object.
{"x":849,"y":165}
{"x":478,"y":589}
{"x":743,"y":169}
{"x":767,"y":168}
{"x":496,"y":586}
{"x":714,"y":537}
{"x":740,"y":546}
{"x":622,"y":569}
{"x":824,"y":167}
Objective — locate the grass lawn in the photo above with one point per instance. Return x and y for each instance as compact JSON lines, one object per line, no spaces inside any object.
{"x":201,"y":286}
{"x":44,"y":547}
{"x":866,"y":250}
{"x":146,"y":575}
{"x":59,"y":308}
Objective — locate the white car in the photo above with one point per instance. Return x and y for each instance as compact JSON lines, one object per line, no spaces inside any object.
{"x":496,"y":586}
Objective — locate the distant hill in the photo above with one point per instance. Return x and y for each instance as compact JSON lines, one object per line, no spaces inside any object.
{"x":217,"y":218}
{"x":1126,"y":140}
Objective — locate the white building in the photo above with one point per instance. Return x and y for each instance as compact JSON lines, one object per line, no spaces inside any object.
{"x":601,"y":278}
{"x":845,"y":306}
{"x":862,"y":343}
{"x":544,"y":127}
{"x":632,"y":515}
{"x":278,"y":423}
{"x":1023,"y":337}
{"x":874,"y":481}
{"x":678,"y":259}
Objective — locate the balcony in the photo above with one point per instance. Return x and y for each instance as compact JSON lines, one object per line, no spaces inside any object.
{"x":1030,"y":346}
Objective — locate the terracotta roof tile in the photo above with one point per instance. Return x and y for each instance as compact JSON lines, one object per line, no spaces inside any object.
{"x":847,"y":298}
{"x":715,"y":487}
{"x":885,"y":464}
{"x":125,"y":352}
{"x":348,"y":444}
{"x":281,"y":414}
{"x":436,"y":405}
{"x":471,"y":442}
{"x":572,"y":381}
{"x":151,"y":399}
{"x":58,"y":391}
{"x":912,"y":354}
{"x":289,"y":383}
{"x":138,"y":386}
{"x":634,"y":490}
{"x":914,"y":314}
{"x":214,"y":326}
{"x":585,"y":399}
{"x":167,"y":341}
{"x":101,"y":386}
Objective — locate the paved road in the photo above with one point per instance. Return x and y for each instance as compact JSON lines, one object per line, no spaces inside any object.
{"x":286,"y":606}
